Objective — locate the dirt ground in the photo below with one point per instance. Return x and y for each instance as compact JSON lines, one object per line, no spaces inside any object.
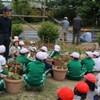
{"x":48,"y":93}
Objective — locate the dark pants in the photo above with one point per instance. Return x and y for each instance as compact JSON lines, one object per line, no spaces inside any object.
{"x":5,"y":40}
{"x":48,"y":66}
{"x":76,"y":33}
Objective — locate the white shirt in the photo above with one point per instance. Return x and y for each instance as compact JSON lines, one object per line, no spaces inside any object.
{"x":91,"y":94}
{"x":2,"y":62}
{"x":97,"y":64}
{"x":87,"y":37}
{"x":77,"y":97}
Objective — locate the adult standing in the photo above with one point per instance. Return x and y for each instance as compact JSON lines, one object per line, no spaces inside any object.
{"x":65,"y":24}
{"x":5,"y":29}
{"x":77,"y":25}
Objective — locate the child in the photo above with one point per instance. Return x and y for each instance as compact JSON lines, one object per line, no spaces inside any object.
{"x":80,"y":91}
{"x":96,"y":60}
{"x":88,"y":62}
{"x":55,"y":52}
{"x":75,"y":70}
{"x":3,"y":71}
{"x":48,"y":66}
{"x":35,"y":76}
{"x":23,"y":59}
{"x":21,"y":44}
{"x":65,"y":93}
{"x":94,"y":89}
{"x":14,"y":50}
{"x":32,"y":53}
{"x":2,"y":60}
{"x":32,"y":44}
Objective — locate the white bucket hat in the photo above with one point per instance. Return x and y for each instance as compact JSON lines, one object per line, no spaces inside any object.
{"x":44,"y":48}
{"x":75,"y":55}
{"x":24,"y":50}
{"x":2,"y":48}
{"x":16,"y":37}
{"x":57,"y":48}
{"x":21,"y":43}
{"x":15,"y":40}
{"x":89,"y":53}
{"x":96,"y":53}
{"x":41,"y":55}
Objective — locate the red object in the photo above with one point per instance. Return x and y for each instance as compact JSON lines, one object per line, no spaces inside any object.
{"x":82,"y":87}
{"x":65,"y":93}
{"x":90,"y":77}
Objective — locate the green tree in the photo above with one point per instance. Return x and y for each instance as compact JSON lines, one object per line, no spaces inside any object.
{"x":48,"y":32}
{"x":1,"y":5}
{"x":21,"y":7}
{"x":88,"y":9}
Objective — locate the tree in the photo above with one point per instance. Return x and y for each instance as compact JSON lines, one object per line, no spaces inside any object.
{"x":21,"y":7}
{"x":1,"y":5}
{"x":88,"y":9}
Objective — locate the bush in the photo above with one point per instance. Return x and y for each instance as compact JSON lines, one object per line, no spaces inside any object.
{"x":16,"y":29}
{"x":48,"y":32}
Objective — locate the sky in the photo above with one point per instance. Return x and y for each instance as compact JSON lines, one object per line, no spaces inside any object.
{"x":6,"y":0}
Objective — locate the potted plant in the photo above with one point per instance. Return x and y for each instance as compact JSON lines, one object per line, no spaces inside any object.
{"x":60,"y":70}
{"x":13,"y":82}
{"x":14,"y":66}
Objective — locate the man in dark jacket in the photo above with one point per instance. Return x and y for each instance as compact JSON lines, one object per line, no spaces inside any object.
{"x":77,"y":25}
{"x":5,"y":29}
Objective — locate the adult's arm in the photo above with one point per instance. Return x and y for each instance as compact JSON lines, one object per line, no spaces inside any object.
{"x":10,"y":28}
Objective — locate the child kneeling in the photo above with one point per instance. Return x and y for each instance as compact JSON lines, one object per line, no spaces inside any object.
{"x":35,"y":76}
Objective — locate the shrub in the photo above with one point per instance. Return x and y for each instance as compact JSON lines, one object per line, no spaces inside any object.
{"x":48,"y":32}
{"x":16,"y":29}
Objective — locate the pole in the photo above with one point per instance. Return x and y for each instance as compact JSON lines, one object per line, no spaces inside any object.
{"x":43,"y":8}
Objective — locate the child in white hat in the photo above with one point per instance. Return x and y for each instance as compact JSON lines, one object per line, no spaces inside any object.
{"x":48,"y":66}
{"x":96,"y":60}
{"x":32,"y":53}
{"x":32,"y":44}
{"x":21,"y":44}
{"x":3,"y":71}
{"x":75,"y":70}
{"x":35,"y":77}
{"x":23,"y":59}
{"x":55,"y":52}
{"x":88,"y":62}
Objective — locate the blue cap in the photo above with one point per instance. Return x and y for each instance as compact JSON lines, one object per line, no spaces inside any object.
{"x":6,"y":8}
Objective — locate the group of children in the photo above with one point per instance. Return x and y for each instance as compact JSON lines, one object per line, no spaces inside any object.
{"x":35,"y":66}
{"x":83,"y":90}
